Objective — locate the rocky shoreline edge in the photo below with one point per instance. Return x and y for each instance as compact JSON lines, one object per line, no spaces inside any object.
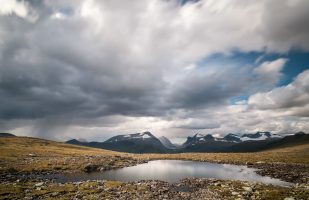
{"x":31,"y":187}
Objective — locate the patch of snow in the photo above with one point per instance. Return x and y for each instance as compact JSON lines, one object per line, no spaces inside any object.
{"x":127,"y":136}
{"x":234,"y":135}
{"x":199,"y":135}
{"x":145,"y":136}
{"x":202,"y":139}
{"x":276,"y":136}
{"x":219,"y":139}
{"x":263,"y":137}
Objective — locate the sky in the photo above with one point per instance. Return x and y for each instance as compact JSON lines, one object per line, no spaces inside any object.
{"x":94,"y":69}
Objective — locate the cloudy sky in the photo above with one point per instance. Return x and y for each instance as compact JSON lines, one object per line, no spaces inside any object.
{"x":93,"y":69}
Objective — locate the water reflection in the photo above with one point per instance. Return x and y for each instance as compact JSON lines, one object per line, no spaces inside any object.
{"x":173,"y":171}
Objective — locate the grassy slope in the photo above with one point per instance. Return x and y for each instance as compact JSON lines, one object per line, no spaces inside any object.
{"x":23,"y":146}
{"x":48,"y":155}
{"x":26,"y":154}
{"x":290,"y":154}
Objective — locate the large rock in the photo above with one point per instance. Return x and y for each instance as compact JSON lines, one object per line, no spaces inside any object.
{"x":90,"y":168}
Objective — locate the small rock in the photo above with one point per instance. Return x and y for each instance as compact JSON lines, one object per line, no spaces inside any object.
{"x":39,"y":184}
{"x":90,"y":168}
{"x":247,"y":189}
{"x":249,"y":163}
{"x":54,"y":194}
{"x":289,"y":198}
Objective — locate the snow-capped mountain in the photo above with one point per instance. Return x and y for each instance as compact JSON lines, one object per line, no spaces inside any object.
{"x":231,"y":138}
{"x":135,"y":136}
{"x":133,"y":143}
{"x":235,"y":138}
{"x":198,"y":138}
{"x":259,"y":136}
{"x":147,"y":143}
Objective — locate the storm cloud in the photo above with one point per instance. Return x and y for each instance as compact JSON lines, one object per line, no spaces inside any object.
{"x":106,"y":64}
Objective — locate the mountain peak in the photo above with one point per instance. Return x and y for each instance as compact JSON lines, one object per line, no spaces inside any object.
{"x":231,"y":137}
{"x":146,"y":134}
{"x":198,"y":135}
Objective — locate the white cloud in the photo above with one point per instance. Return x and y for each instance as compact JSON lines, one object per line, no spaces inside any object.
{"x":19,"y":8}
{"x":12,"y":6}
{"x":269,"y":73}
{"x":296,"y":94}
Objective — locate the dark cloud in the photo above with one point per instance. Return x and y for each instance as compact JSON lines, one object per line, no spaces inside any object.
{"x":288,"y":29}
{"x":202,"y":89}
{"x":88,"y":62}
{"x":197,"y":124}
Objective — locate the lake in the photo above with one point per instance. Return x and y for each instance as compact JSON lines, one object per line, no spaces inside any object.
{"x":172,"y":171}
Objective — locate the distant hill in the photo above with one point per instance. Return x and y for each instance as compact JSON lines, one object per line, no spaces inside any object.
{"x":148,"y":143}
{"x":7,"y":135}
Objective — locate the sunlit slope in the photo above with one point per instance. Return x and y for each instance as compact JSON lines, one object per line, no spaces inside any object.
{"x":23,"y":146}
{"x":26,"y":154}
{"x":290,"y":154}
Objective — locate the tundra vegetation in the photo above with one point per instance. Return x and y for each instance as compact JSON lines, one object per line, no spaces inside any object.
{"x":23,"y":158}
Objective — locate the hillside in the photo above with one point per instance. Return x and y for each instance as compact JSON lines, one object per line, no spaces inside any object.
{"x":290,"y":154}
{"x":26,"y":154}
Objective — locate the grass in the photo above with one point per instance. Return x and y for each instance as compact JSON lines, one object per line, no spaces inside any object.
{"x":28,"y":154}
{"x":33,"y":154}
{"x":23,"y":146}
{"x":295,"y":154}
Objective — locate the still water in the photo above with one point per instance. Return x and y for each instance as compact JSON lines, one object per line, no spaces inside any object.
{"x":172,"y":171}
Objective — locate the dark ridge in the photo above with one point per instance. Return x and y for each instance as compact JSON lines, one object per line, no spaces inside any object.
{"x":7,"y":135}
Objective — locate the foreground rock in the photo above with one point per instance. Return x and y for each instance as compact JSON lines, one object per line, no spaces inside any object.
{"x":294,"y":173}
{"x":185,"y":189}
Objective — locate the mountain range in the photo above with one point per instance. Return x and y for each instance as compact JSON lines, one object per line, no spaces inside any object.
{"x":146,"y":142}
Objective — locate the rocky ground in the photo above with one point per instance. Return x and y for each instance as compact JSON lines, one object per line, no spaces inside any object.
{"x":18,"y":184}
{"x":26,"y":185}
{"x":185,"y":189}
{"x":294,"y":173}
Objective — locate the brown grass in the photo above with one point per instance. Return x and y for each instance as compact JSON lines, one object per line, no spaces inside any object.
{"x":296,"y":154}
{"x":15,"y":147}
{"x":27,"y":154}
